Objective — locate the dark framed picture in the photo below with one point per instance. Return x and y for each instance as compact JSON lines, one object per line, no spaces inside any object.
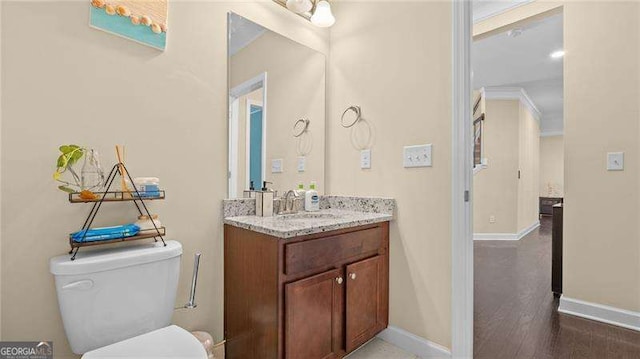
{"x":477,"y":140}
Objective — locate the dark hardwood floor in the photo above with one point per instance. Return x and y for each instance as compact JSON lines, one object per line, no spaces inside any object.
{"x":515,"y":312}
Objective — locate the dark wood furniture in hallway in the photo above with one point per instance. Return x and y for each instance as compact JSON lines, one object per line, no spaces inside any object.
{"x":547,"y":203}
{"x":515,"y":312}
{"x":556,"y":249}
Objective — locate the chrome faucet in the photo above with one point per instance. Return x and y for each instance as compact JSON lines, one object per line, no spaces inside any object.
{"x":289,"y":205}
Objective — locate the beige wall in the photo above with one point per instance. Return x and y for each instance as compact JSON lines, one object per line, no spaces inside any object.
{"x":63,"y":82}
{"x":495,"y":188}
{"x":510,"y":145}
{"x":529,"y":153}
{"x":552,"y":166}
{"x":601,"y":65}
{"x":602,"y":237}
{"x":295,"y":89}
{"x":394,"y":60}
{"x":1,"y":2}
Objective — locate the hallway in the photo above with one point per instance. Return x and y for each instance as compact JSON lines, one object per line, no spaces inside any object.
{"x":515,"y":312}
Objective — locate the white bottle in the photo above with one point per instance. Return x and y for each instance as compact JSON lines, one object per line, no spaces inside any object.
{"x":311,"y":199}
{"x":300,"y":191}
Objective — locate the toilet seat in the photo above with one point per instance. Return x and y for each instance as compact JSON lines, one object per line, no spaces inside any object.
{"x":171,"y":342}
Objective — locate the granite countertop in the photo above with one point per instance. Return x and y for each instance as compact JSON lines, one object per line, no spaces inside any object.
{"x":303,"y":223}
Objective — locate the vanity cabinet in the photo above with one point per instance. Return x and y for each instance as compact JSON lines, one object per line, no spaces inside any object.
{"x":315,"y":296}
{"x":313,"y":316}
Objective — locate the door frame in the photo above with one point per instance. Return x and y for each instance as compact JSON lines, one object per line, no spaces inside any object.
{"x":259,"y":81}
{"x":248,"y":142}
{"x":462,"y":177}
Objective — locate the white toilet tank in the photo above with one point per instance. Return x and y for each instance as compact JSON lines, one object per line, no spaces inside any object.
{"x":109,"y":295}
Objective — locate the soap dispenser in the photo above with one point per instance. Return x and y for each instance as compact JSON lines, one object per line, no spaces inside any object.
{"x":311,"y":199}
{"x":251,"y":192}
{"x":264,"y":201}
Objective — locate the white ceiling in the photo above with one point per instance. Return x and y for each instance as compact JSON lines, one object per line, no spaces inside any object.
{"x":242,"y":32}
{"x":483,"y":9}
{"x":523,"y":61}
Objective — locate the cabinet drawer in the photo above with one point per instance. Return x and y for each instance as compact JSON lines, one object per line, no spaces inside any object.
{"x":304,"y":256}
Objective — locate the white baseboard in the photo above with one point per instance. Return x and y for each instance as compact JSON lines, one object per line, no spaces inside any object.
{"x":523,"y":233}
{"x":601,"y":313}
{"x":495,"y":236}
{"x":506,"y":236}
{"x":413,"y":344}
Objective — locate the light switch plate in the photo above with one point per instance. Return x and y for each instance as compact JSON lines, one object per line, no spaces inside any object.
{"x":276,"y":166}
{"x":417,"y":156}
{"x":365,"y":159}
{"x":301,"y":163}
{"x":615,"y":161}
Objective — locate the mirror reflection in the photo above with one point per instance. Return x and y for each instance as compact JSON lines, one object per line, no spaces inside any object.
{"x":276,"y":111}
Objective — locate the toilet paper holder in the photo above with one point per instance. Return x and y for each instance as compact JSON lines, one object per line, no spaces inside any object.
{"x":194,"y":280}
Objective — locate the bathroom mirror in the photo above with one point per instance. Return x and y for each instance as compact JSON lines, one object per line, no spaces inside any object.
{"x":276,"y":110}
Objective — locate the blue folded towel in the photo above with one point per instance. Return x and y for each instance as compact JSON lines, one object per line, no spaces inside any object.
{"x":105,"y":233}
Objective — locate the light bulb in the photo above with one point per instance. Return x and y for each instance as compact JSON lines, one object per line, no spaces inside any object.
{"x":299,"y":6}
{"x":322,"y":16}
{"x":557,"y":54}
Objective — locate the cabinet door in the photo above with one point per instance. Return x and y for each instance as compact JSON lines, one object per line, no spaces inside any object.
{"x":367,"y":293}
{"x":313,"y":316}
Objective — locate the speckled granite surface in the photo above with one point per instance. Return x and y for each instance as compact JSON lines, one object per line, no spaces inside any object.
{"x":359,"y":204}
{"x":303,"y":223}
{"x":239,"y":207}
{"x":247,"y":206}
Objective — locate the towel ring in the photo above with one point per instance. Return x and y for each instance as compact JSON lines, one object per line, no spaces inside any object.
{"x":358,"y":113}
{"x":300,"y":127}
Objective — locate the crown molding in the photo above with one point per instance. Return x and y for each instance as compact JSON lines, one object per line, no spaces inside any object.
{"x":512,"y":93}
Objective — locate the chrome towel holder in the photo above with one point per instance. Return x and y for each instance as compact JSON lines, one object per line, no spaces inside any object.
{"x":356,"y":109}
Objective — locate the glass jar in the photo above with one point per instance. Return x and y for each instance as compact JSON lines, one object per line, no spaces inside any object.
{"x":91,"y":175}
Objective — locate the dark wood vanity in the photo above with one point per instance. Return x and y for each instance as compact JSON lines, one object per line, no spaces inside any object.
{"x":314,"y":296}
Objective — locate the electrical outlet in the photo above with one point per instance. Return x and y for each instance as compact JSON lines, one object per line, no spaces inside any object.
{"x":417,"y":156}
{"x":301,"y":163}
{"x":492,"y":219}
{"x":615,"y":161}
{"x":365,"y":159}
{"x":276,"y":166}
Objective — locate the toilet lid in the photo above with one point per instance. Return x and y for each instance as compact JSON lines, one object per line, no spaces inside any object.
{"x":170,"y":342}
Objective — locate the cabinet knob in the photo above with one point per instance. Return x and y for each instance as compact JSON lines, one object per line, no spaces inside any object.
{"x":339,"y":280}
{"x":352,"y":276}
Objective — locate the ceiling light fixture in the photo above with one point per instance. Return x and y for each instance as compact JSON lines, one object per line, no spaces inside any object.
{"x":557,"y":54}
{"x":322,"y":16}
{"x":515,"y":32}
{"x":299,"y":6}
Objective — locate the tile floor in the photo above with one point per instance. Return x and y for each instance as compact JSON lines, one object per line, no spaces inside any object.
{"x":379,"y":349}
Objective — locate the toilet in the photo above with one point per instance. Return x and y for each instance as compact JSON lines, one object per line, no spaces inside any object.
{"x":118,"y":302}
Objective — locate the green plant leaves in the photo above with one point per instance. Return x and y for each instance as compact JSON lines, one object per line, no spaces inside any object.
{"x":66,"y":189}
{"x":71,"y":154}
